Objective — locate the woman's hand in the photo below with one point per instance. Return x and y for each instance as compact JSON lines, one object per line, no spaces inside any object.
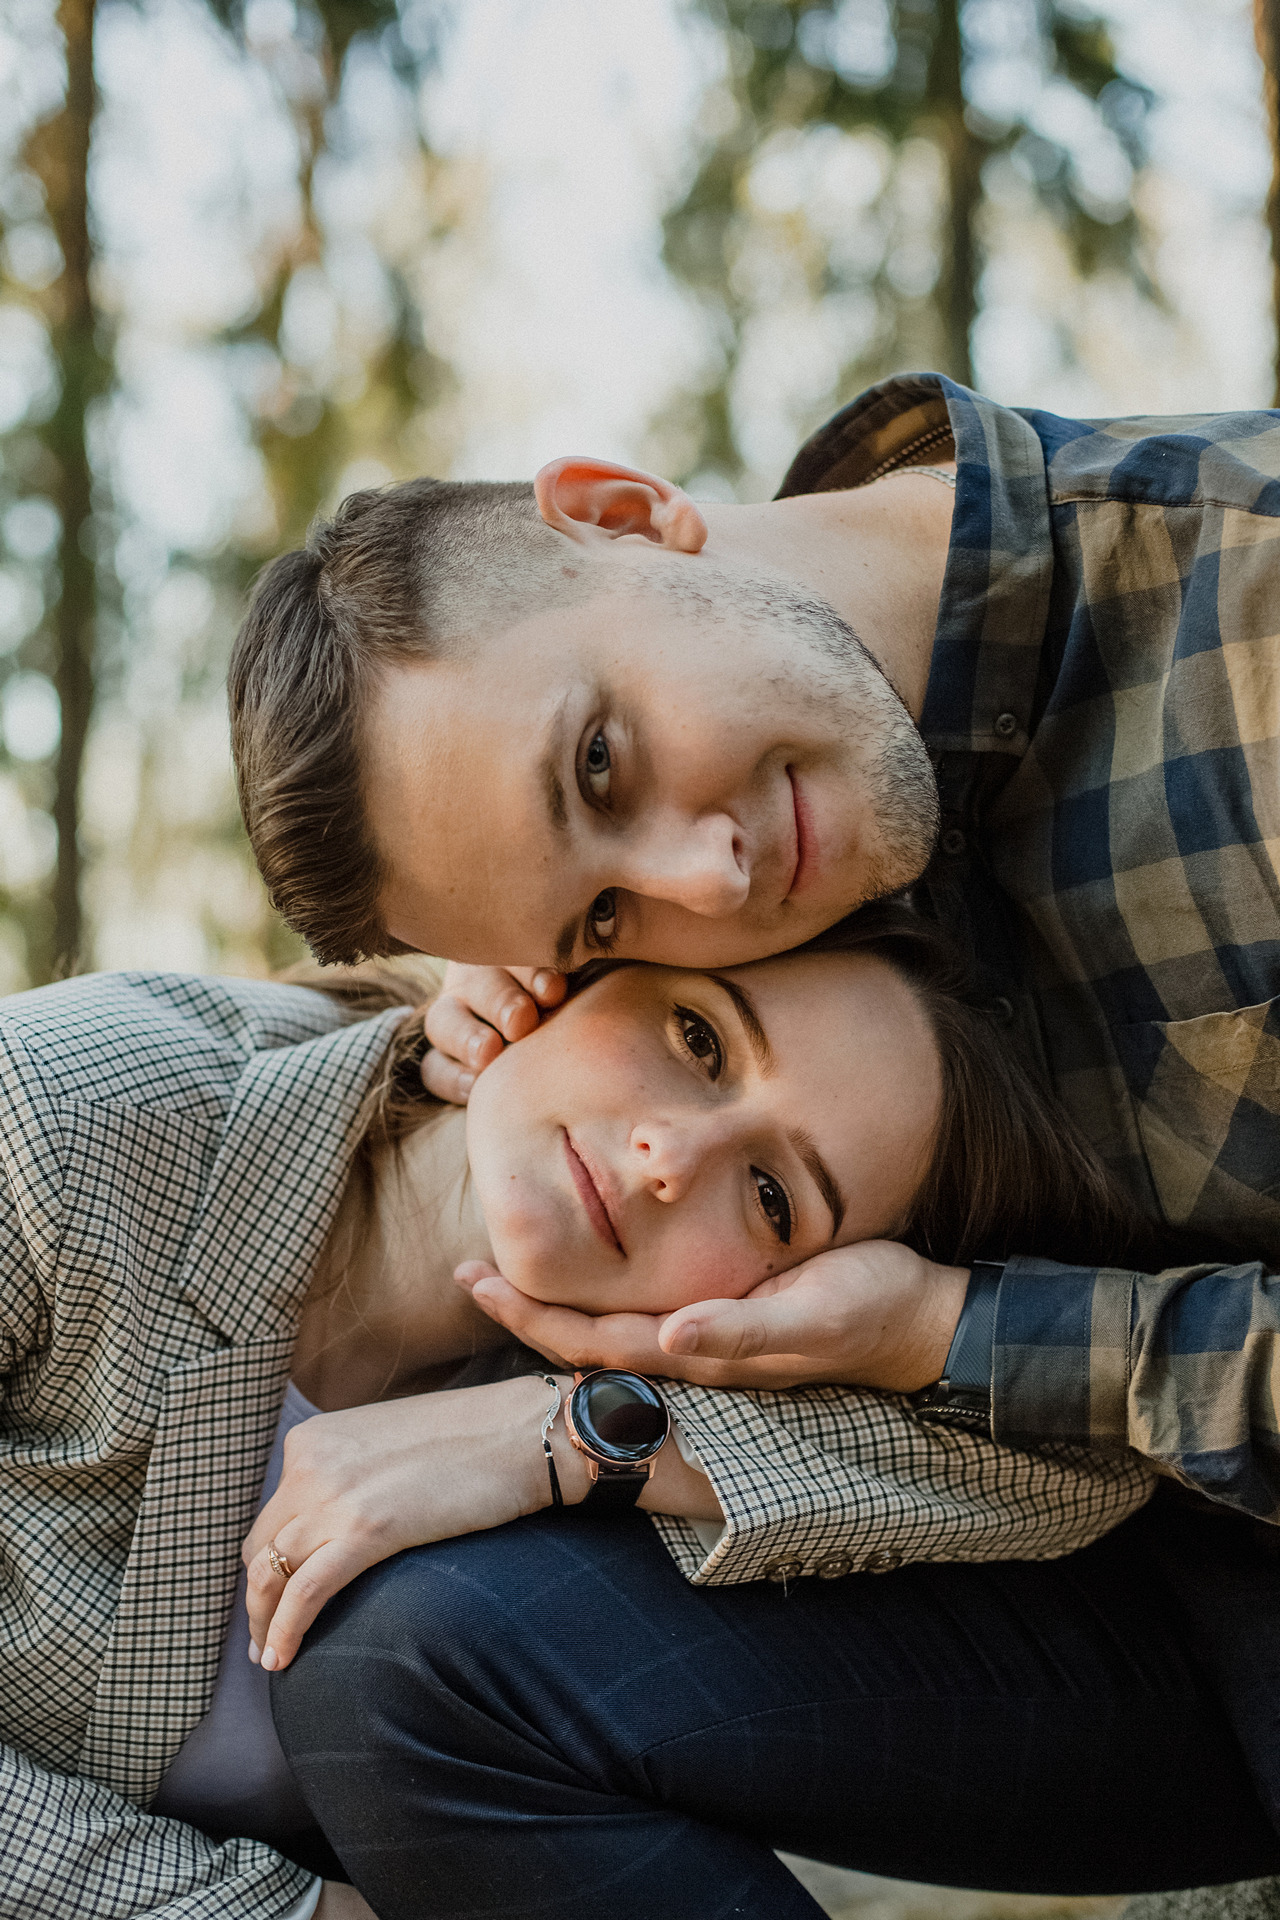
{"x":363,"y":1484}
{"x":476,"y":1013}
{"x":339,"y":1902}
{"x":871,"y":1315}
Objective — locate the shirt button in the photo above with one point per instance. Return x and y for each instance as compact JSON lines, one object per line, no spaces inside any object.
{"x":1006,"y":725}
{"x":781,"y":1570}
{"x":835,"y":1568}
{"x":882,"y":1562}
{"x":953,"y":842}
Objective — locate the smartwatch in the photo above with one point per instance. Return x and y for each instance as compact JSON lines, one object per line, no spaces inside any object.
{"x":962,"y":1397}
{"x":619,"y":1422}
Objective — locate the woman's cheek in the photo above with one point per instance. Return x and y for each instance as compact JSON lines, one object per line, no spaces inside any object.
{"x":697,"y":1271}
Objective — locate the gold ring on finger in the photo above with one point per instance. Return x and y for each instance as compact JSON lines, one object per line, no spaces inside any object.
{"x":278,"y":1562}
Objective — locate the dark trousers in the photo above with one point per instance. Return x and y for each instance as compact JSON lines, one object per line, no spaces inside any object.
{"x":547,"y":1720}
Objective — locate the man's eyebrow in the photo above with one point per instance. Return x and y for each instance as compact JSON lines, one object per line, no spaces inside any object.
{"x":566,"y":944}
{"x":549,"y":772}
{"x":751,"y":1021}
{"x":825,"y":1181}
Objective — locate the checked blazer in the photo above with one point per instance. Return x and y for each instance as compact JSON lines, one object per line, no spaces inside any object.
{"x":172,"y":1153}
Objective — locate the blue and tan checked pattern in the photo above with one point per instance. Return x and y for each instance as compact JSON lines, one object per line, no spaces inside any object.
{"x":1104,"y":709}
{"x":171,"y":1155}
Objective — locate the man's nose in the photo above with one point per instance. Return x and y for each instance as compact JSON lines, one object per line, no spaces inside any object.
{"x":698,"y":865}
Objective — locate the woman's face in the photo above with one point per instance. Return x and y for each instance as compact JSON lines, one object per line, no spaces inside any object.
{"x":669,"y":1137}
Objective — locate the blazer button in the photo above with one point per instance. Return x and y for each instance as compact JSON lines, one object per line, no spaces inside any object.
{"x":1006,"y":725}
{"x":780,"y":1570}
{"x":882,"y":1562}
{"x":953,"y":842}
{"x":835,"y":1568}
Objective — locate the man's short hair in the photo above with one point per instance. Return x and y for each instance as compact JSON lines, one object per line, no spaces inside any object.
{"x":398,"y":573}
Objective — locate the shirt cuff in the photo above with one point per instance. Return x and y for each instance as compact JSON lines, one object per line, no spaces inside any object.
{"x":1060,"y":1360}
{"x":707,"y":1533}
{"x":308,"y":1903}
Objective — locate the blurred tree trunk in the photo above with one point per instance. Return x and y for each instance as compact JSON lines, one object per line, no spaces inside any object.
{"x":964,"y":156}
{"x":1266,"y":27}
{"x":59,"y":153}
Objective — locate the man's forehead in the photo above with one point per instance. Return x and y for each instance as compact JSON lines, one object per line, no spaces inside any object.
{"x":466,"y":807}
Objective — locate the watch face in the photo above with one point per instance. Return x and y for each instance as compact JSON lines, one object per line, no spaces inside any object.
{"x":620,"y":1416}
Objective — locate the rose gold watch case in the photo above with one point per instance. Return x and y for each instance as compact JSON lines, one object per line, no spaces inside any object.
{"x":594,"y":1463}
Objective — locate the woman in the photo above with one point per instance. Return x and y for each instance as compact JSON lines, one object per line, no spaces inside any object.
{"x":212,"y":1188}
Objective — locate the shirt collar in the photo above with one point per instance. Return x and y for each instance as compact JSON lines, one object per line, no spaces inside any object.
{"x":995,"y":593}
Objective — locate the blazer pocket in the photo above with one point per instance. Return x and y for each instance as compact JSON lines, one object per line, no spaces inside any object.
{"x":1206,"y":1094}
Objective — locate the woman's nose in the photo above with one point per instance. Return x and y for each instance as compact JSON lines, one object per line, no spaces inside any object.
{"x":671,"y":1152}
{"x":699,"y":866}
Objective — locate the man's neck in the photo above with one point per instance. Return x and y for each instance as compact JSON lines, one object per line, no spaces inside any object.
{"x":877,"y":554}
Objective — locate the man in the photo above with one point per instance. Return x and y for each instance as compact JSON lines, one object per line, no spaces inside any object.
{"x":630,"y":726}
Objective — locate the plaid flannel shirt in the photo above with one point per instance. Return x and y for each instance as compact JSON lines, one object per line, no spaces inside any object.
{"x":1104,"y":715}
{"x":172,"y":1152}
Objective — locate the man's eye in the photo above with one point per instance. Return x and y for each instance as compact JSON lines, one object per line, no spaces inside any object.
{"x":598,"y":768}
{"x":774,"y":1204}
{"x":602,"y":916}
{"x":701,"y":1040}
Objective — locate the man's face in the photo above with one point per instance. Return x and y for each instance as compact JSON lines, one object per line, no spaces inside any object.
{"x":699,"y":783}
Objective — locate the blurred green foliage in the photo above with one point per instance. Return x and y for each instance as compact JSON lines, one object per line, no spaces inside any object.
{"x":969,"y":79}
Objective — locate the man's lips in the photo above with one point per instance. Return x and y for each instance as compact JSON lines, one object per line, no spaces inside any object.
{"x":803,"y":819}
{"x":590,"y":1195}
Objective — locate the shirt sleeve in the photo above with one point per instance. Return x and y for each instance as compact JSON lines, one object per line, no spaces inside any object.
{"x":835,"y":1480}
{"x":1182,"y":1367}
{"x":73,"y":1850}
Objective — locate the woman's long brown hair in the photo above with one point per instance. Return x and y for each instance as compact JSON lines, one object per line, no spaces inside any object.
{"x":1010,"y":1172}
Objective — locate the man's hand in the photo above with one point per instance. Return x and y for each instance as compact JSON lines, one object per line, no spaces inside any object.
{"x":477,"y":1012}
{"x":872,"y":1315}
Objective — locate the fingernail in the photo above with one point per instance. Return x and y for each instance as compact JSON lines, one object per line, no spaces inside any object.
{"x":684,"y":1338}
{"x":541,"y":983}
{"x":254,"y":1655}
{"x":269,"y":1660}
{"x":509,"y":1017}
{"x":465,"y":1082}
{"x":476,"y":1047}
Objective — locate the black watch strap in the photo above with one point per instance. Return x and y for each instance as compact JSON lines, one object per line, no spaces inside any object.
{"x":962,"y":1397}
{"x":615,"y":1490}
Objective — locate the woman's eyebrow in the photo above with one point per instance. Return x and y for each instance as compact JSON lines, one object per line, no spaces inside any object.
{"x":758,"y":1040}
{"x":823,"y":1178}
{"x":753,"y":1025}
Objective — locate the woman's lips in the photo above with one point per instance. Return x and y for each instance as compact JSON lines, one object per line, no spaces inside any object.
{"x":590,"y":1195}
{"x":804,"y":836}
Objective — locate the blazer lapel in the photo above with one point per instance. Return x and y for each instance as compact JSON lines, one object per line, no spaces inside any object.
{"x":274,"y":1188}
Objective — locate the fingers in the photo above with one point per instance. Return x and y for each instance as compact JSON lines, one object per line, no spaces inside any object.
{"x":456,"y":1031}
{"x":547,"y":986}
{"x":280,"y":1611}
{"x":738,"y":1331}
{"x":480,"y":1010}
{"x":570,"y":1338}
{"x":446,"y":1079}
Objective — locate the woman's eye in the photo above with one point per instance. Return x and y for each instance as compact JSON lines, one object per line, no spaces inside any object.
{"x":701,"y":1040}
{"x":602,"y":916}
{"x":598,"y":767}
{"x":774,"y":1204}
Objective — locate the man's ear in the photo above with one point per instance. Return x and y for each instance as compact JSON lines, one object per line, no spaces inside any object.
{"x":590,"y":500}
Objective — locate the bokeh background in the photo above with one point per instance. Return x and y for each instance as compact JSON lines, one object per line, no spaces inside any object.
{"x":255,"y":255}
